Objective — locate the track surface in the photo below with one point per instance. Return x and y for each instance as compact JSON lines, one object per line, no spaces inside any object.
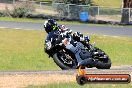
{"x":20,"y":79}
{"x":102,"y":30}
{"x":118,"y":69}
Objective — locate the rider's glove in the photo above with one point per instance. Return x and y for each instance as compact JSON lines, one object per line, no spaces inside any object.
{"x":78,"y":36}
{"x":69,"y":31}
{"x":86,"y":38}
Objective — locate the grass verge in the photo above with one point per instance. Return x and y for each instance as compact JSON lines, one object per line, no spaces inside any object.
{"x":21,"y":19}
{"x":108,"y":3}
{"x":60,"y":22}
{"x":75,"y":85}
{"x":23,"y":50}
{"x":35,"y":20}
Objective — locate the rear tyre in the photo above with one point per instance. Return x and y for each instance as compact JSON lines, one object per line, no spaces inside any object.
{"x":104,"y":65}
{"x":104,"y":61}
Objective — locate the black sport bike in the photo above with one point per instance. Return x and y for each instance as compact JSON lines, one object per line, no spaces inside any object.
{"x":66,"y":59}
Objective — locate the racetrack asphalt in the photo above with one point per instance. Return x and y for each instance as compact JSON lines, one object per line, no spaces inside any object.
{"x":101,"y":30}
{"x":113,"y":69}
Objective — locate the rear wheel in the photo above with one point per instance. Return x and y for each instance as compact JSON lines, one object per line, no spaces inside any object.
{"x":104,"y":61}
{"x":64,"y":60}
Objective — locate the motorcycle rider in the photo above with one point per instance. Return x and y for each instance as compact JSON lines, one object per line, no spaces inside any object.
{"x":54,"y":31}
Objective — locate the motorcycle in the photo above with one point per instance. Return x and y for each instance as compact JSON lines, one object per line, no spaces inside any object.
{"x":63,"y":56}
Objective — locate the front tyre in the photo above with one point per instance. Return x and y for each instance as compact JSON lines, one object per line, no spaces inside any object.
{"x":64,"y":60}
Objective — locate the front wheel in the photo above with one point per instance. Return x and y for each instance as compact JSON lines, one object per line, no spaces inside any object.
{"x":64,"y":60}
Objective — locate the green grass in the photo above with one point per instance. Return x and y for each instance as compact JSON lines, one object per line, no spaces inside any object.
{"x":118,"y":48}
{"x":23,"y":50}
{"x":21,"y":19}
{"x":33,"y":20}
{"x":43,"y":0}
{"x":75,"y":85}
{"x":106,"y":3}
{"x":37,"y":20}
{"x":110,"y":12}
{"x":40,"y":21}
{"x":109,"y":3}
{"x":59,"y":22}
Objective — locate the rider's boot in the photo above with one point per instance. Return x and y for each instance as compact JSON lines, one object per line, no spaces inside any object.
{"x":88,"y":62}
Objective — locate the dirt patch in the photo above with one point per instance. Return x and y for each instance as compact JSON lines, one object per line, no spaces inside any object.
{"x":18,"y":81}
{"x":24,"y":80}
{"x":47,"y":10}
{"x":13,"y":80}
{"x":115,"y":18}
{"x":5,"y":6}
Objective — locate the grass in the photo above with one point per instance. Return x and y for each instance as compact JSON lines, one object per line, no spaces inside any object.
{"x":31,"y":20}
{"x":109,"y":3}
{"x":39,"y":20}
{"x":43,"y":0}
{"x":106,"y":3}
{"x":110,"y":12}
{"x":75,"y":85}
{"x":36,"y":20}
{"x":23,"y":50}
{"x":21,"y":19}
{"x":59,"y":22}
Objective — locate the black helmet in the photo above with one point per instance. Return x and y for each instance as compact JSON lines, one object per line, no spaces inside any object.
{"x":50,"y":25}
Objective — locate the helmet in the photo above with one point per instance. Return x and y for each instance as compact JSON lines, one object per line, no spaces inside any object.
{"x":50,"y":25}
